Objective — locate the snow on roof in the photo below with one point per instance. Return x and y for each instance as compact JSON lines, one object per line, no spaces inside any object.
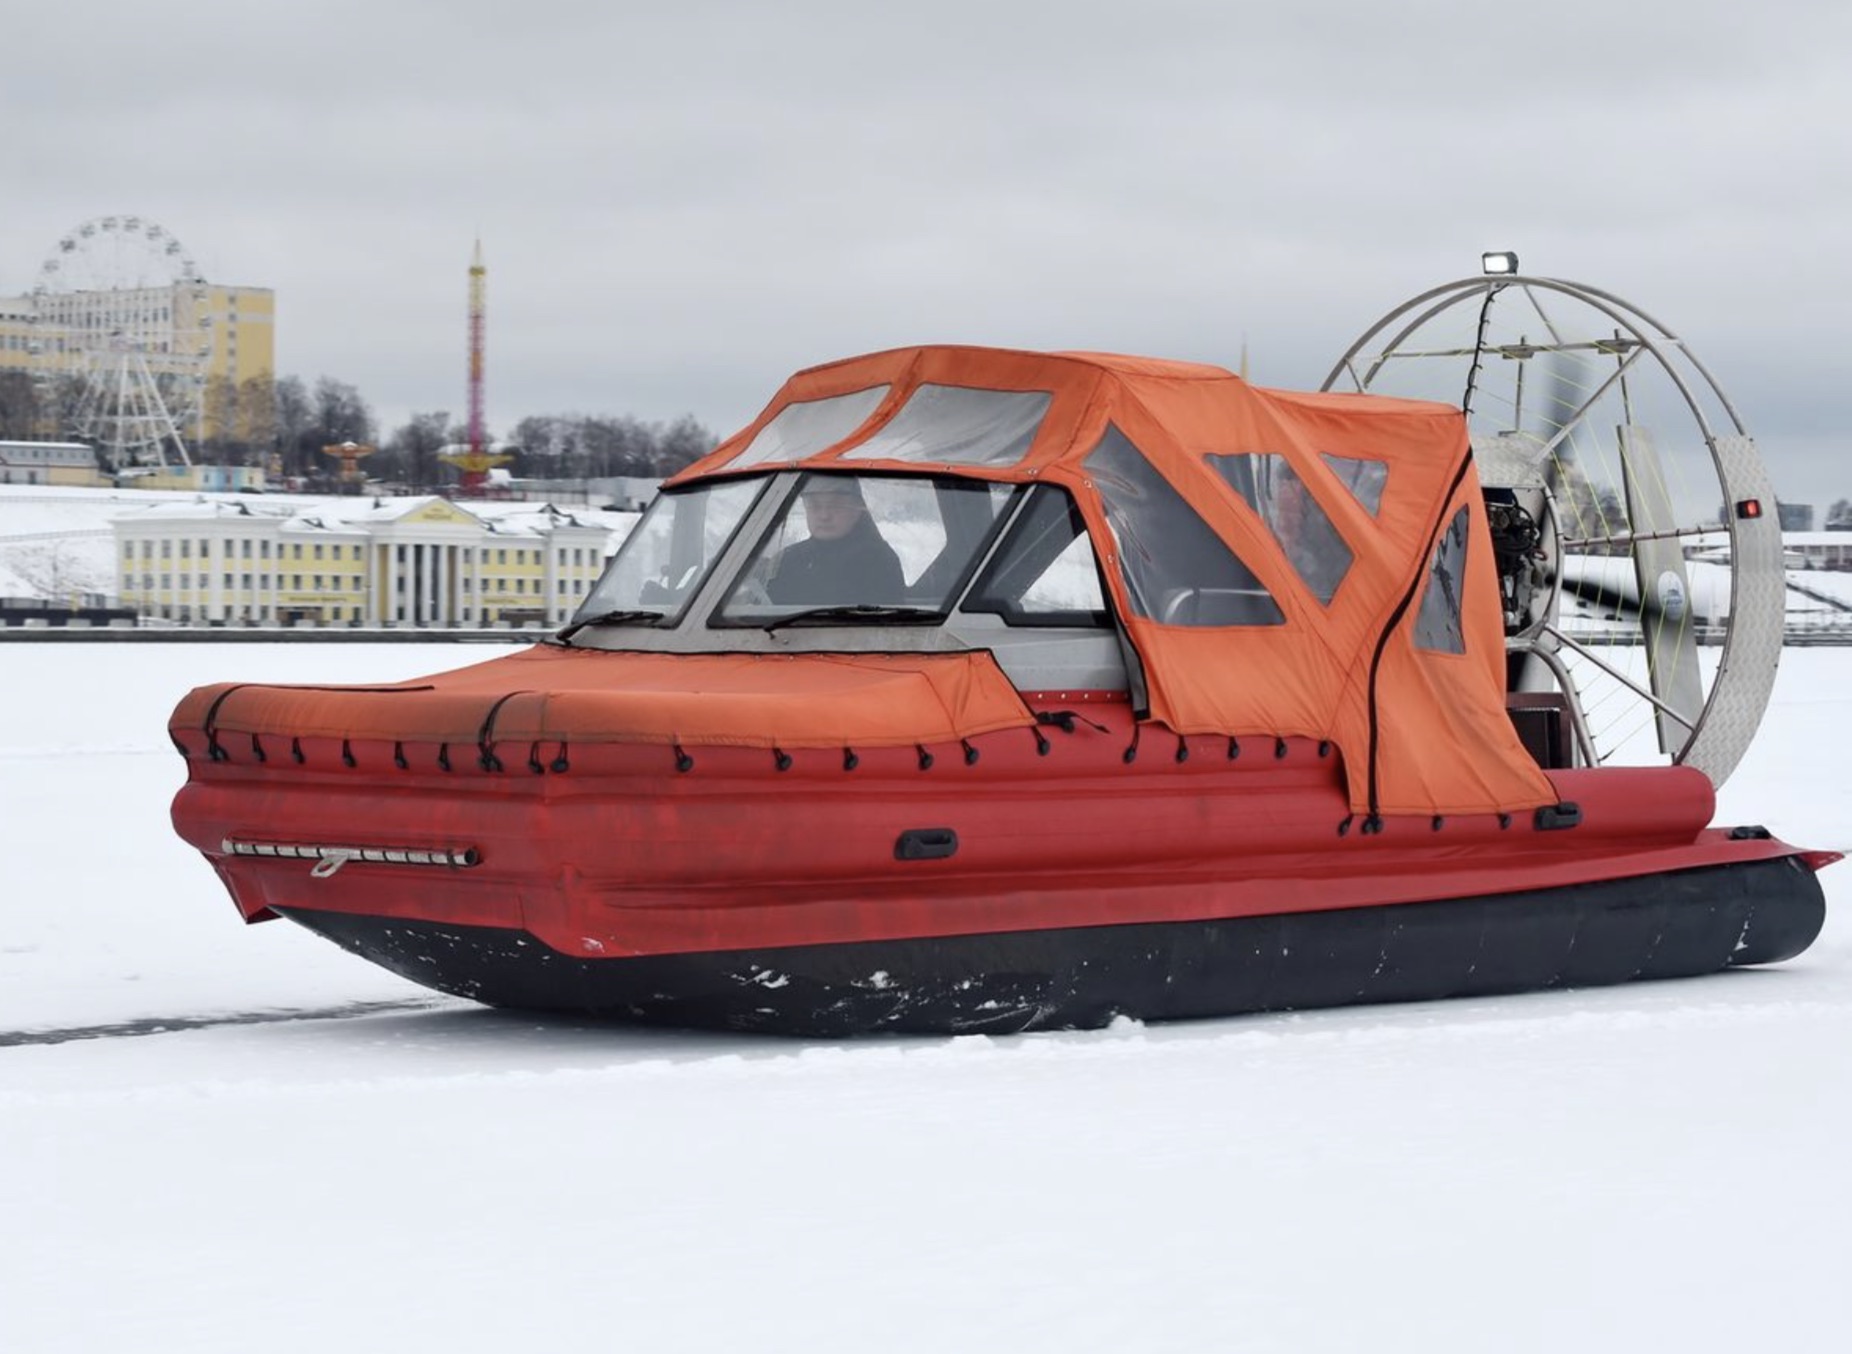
{"x":351,"y":514}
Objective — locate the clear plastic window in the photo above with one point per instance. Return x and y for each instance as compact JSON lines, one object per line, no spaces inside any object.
{"x":958,"y":426}
{"x":895,"y":548}
{"x":1438,"y":624}
{"x":804,"y":429}
{"x":1045,"y":571}
{"x":667,"y":554}
{"x":1273,"y":489}
{"x":1177,"y":571}
{"x":1365,"y":479}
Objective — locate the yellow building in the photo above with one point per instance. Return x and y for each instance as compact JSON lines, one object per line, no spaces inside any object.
{"x":389,"y":562}
{"x":20,"y":346}
{"x":213,"y":336}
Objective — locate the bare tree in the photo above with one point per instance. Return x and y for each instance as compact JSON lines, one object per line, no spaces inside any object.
{"x":685,"y":442}
{"x":293,"y":416}
{"x":410,"y":453}
{"x":257,"y":415}
{"x":341,"y":413}
{"x":20,"y":414}
{"x":306,"y":420}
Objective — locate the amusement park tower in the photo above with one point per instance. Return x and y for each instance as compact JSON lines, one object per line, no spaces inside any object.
{"x":475,"y":460}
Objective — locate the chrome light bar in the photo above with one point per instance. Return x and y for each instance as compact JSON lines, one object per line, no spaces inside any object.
{"x":328,"y":859}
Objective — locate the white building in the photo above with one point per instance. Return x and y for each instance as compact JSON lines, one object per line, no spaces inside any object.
{"x":62,"y":463}
{"x":373,"y":562}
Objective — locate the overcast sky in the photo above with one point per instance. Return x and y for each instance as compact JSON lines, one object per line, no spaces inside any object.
{"x":680,"y":204}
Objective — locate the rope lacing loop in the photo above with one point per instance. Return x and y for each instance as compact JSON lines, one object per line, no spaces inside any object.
{"x":781,"y":759}
{"x":398,"y":757}
{"x":925,"y":756}
{"x":347,"y":754}
{"x":295,"y":751}
{"x":485,"y":740}
{"x":1183,"y":748}
{"x":683,"y":762}
{"x":561,"y":764}
{"x":1130,"y":755}
{"x":970,"y":752}
{"x":257,"y":749}
{"x":210,"y":725}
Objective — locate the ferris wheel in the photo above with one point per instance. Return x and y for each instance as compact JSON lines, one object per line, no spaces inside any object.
{"x":123,"y":335}
{"x":1635,"y":528}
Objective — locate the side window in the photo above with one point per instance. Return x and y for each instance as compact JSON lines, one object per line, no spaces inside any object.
{"x":1045,"y":571}
{"x":1272,"y":488}
{"x":1177,"y":571}
{"x":1365,"y":479}
{"x":1438,"y":625}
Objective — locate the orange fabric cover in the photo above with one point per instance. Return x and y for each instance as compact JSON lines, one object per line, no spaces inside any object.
{"x":582,"y":695}
{"x":1442,"y":739}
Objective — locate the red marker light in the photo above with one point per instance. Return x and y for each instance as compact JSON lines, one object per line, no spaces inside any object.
{"x":1749,"y":507}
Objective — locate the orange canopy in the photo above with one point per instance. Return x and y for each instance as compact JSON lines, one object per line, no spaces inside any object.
{"x":1422,"y":725}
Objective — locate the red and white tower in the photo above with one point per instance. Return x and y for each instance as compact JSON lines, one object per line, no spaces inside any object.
{"x":476,"y":460}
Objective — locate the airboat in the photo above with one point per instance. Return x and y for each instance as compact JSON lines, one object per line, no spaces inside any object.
{"x":1114,"y":687}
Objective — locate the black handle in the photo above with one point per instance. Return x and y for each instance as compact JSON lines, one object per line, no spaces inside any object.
{"x":926,"y":843}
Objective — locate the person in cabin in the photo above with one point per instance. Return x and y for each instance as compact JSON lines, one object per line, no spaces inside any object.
{"x":845,"y":561}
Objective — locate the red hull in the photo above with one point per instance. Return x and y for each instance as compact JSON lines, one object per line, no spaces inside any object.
{"x":610,"y":850}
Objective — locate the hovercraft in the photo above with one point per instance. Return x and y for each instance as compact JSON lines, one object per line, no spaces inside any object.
{"x":980,"y":690}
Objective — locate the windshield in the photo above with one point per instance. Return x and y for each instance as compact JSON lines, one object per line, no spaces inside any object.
{"x":882,"y":547}
{"x":667,"y":554}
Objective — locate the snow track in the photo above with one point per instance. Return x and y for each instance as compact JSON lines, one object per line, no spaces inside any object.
{"x":136,"y":1029}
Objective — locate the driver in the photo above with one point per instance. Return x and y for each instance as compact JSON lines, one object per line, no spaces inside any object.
{"x":845,"y":560}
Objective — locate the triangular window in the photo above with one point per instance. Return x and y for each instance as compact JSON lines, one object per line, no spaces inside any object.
{"x":1439,"y":625}
{"x":1364,"y":479}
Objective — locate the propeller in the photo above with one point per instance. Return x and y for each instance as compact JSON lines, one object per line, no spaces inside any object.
{"x":1601,"y":442}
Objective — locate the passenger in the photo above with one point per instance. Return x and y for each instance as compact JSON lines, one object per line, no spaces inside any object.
{"x":845,"y":561}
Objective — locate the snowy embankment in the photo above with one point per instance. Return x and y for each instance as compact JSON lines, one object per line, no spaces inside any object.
{"x":1652,"y":1167}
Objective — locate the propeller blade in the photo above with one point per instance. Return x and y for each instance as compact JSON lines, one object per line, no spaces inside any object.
{"x":1666,"y":619}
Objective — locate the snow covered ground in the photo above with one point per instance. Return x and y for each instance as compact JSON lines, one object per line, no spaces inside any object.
{"x":1660,"y":1167}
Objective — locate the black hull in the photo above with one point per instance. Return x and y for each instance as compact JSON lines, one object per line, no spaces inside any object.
{"x":1660,"y":926}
